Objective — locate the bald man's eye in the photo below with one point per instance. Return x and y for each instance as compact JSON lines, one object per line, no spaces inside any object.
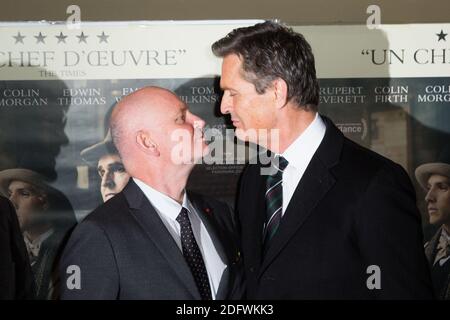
{"x":101,"y":173}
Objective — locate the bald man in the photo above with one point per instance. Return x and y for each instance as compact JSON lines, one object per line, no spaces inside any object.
{"x":155,"y":240}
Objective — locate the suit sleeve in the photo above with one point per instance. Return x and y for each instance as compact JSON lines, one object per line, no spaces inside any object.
{"x":390,"y":236}
{"x":238,"y":290}
{"x":88,"y":266}
{"x":16,"y":280}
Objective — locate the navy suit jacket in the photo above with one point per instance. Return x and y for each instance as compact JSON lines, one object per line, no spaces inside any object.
{"x":124,"y":251}
{"x":352,"y":209}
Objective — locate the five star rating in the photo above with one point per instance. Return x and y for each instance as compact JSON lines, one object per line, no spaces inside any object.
{"x":60,"y":38}
{"x":441,"y":35}
{"x":103,"y":38}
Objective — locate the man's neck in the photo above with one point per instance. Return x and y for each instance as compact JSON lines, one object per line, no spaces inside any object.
{"x":169,"y":181}
{"x":35,"y":232}
{"x":293,"y":123}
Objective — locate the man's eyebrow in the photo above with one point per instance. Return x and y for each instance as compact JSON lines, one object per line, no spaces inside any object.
{"x":115,"y":164}
{"x":223,"y":88}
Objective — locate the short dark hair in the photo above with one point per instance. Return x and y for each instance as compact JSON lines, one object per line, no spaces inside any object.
{"x":270,"y":50}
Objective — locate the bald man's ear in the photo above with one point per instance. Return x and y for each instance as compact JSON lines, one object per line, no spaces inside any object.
{"x":280,"y":89}
{"x":146,"y":144}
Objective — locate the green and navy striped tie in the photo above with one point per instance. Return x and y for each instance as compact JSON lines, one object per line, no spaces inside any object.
{"x":274,"y":199}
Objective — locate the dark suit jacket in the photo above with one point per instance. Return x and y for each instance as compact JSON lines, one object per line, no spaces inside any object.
{"x":442,"y":288}
{"x":124,"y":251}
{"x":351,"y":209}
{"x":16,"y":280}
{"x":46,"y":269}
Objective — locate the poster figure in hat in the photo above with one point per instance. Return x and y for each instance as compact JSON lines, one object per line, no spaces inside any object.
{"x":45,"y":217}
{"x":105,"y":157}
{"x":435,"y":180}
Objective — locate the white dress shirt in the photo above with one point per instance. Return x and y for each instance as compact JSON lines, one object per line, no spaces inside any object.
{"x":444,"y":260}
{"x":168,"y":210}
{"x":299,"y":154}
{"x":34,"y":246}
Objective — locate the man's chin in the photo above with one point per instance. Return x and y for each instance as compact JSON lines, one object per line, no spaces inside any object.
{"x":246,"y":135}
{"x":435,"y":219}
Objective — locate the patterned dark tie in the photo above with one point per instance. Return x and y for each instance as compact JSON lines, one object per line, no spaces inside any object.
{"x":193,"y":256}
{"x":274,"y":200}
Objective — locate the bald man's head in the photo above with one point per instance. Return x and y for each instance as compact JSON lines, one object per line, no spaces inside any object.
{"x":143,"y":124}
{"x":135,"y":110}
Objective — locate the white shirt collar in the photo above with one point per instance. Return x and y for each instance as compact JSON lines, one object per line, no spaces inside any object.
{"x":33,"y":247}
{"x":168,"y":210}
{"x":164,"y":204}
{"x":445,"y":234}
{"x":300,"y":152}
{"x":38,"y":241}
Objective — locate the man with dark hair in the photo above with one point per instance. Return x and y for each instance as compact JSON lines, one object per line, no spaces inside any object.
{"x":105,"y":157}
{"x":334,"y":220}
{"x":434,"y":178}
{"x":45,"y":217}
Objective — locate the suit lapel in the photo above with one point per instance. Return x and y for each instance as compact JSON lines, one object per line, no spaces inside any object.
{"x":430,"y":253}
{"x":252,"y":214}
{"x":220,"y":242}
{"x":150,"y":221}
{"x":431,"y":248}
{"x":205,"y":212}
{"x":313,"y":186}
